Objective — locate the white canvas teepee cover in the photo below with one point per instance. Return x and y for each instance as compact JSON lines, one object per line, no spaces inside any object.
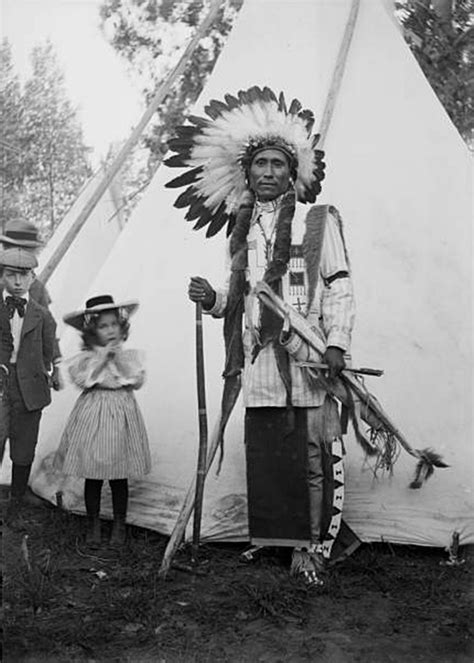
{"x":87,"y":252}
{"x":400,"y":176}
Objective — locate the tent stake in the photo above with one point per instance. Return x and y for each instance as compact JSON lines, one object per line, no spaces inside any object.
{"x":202,"y":455}
{"x":119,"y":160}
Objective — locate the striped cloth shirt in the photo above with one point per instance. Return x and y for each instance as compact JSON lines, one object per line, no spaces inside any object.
{"x":331,"y":314}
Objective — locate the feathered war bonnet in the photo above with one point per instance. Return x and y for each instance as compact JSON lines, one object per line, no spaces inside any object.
{"x":218,"y":152}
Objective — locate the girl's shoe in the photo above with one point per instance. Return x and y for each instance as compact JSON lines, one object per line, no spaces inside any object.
{"x":117,"y":538}
{"x":93,"y":537}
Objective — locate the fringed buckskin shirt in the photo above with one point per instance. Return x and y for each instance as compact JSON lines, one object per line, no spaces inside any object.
{"x":331,"y":314}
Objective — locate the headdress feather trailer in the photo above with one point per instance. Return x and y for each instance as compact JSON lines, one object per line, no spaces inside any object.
{"x":217,"y":153}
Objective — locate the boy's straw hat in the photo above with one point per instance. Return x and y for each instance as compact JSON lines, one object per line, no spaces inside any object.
{"x":97,"y":305}
{"x":18,"y":259}
{"x":21,"y":233}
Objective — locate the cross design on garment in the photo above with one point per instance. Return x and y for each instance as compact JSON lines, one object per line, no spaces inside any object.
{"x":299,"y":306}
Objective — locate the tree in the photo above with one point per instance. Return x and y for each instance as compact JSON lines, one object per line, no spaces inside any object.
{"x":151,"y":35}
{"x":55,"y":163}
{"x":11,"y":117}
{"x":440,"y":34}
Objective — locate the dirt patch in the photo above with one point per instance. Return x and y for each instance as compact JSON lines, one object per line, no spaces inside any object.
{"x":65,"y":602}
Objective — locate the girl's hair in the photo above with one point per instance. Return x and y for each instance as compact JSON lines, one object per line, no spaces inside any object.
{"x":89,"y":331}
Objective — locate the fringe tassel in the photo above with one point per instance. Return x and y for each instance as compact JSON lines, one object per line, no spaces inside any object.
{"x":428,"y":460}
{"x":352,"y":405}
{"x":388,"y":450}
{"x":353,"y":410}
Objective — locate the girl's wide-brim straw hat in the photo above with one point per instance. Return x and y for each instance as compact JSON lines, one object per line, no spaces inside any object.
{"x":97,"y":305}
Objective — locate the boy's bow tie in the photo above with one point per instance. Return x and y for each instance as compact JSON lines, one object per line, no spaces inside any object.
{"x":15,"y":303}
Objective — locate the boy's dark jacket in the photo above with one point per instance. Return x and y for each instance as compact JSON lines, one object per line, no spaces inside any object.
{"x":35,"y":354}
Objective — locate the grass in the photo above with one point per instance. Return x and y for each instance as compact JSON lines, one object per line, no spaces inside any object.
{"x":65,"y":602}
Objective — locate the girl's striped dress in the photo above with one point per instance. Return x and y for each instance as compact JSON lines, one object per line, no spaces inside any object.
{"x":105,"y":435}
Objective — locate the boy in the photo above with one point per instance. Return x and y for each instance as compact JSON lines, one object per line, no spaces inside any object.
{"x":23,"y":234}
{"x":28,"y":365}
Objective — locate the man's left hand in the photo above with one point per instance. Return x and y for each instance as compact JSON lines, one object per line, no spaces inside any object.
{"x":334,"y":358}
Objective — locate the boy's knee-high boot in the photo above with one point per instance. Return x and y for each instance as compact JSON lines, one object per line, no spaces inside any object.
{"x":20,"y":476}
{"x":20,"y":491}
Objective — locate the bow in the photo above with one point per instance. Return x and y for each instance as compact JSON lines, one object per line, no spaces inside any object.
{"x":15,"y":303}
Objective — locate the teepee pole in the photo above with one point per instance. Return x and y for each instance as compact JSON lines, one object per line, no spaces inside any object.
{"x":338,"y":72}
{"x":119,"y":160}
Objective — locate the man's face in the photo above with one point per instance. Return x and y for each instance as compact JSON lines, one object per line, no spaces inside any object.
{"x":17,"y":283}
{"x":269,"y":174}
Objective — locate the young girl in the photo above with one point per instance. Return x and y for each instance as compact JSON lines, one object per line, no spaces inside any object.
{"x":105,"y":436}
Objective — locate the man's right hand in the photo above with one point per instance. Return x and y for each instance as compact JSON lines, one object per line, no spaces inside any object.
{"x":201,"y":291}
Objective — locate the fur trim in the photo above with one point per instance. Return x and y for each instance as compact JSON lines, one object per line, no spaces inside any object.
{"x":313,"y":246}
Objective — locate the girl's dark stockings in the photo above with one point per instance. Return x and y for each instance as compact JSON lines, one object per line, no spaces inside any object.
{"x":92,"y":491}
{"x":92,"y":494}
{"x":119,"y":488}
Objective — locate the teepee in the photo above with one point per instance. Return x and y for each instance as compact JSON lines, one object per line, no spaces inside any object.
{"x":400,"y":176}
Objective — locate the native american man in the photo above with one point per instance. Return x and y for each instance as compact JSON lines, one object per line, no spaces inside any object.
{"x":250,"y":164}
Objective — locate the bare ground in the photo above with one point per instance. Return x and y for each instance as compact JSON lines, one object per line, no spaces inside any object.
{"x":63,"y":601}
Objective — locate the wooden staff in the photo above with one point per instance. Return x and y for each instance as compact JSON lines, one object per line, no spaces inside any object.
{"x":202,"y":455}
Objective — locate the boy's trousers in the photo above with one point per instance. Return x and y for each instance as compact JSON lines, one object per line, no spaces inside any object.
{"x":24,"y":424}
